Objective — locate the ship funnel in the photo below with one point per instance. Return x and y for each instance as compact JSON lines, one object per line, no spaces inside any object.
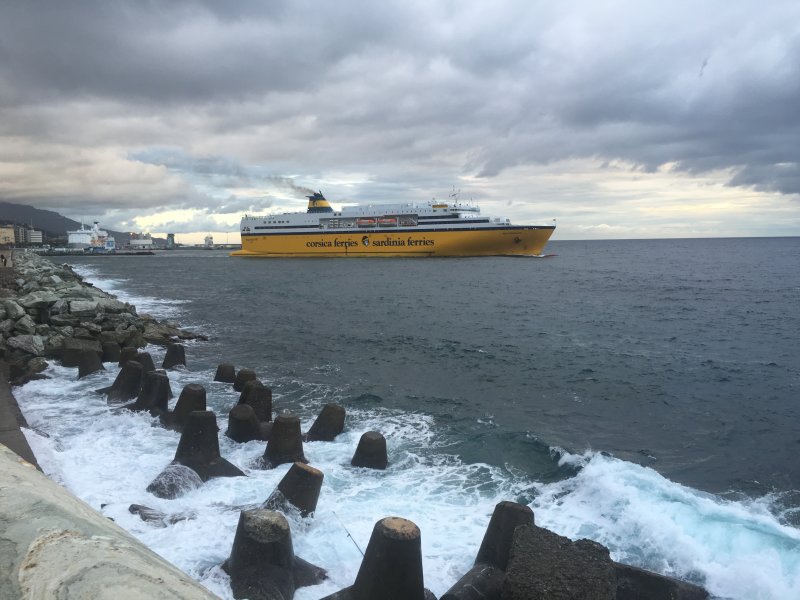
{"x":318,"y":204}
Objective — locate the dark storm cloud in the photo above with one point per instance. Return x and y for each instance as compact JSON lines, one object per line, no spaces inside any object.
{"x":272,"y":94}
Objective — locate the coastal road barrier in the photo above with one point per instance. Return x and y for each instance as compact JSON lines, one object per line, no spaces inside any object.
{"x":53,"y":545}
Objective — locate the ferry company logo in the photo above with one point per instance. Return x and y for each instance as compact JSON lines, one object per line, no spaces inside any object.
{"x":365,"y":241}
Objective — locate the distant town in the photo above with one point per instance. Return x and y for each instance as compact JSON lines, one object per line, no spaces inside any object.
{"x":92,"y":240}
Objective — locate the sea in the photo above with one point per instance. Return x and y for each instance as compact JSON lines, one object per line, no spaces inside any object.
{"x":644,"y":394}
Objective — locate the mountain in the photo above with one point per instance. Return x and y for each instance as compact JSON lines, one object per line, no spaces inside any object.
{"x":51,"y":223}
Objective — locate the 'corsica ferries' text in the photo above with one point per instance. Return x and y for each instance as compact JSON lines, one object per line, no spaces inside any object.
{"x":337,"y":243}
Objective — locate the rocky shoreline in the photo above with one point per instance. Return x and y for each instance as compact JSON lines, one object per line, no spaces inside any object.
{"x":47,"y":312}
{"x":47,"y":309}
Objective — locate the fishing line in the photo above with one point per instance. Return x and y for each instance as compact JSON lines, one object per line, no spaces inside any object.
{"x":348,"y":533}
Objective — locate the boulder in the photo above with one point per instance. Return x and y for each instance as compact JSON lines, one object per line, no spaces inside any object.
{"x":39,"y":299}
{"x":13,"y":310}
{"x":30,"y":344}
{"x":25,"y":326}
{"x":174,"y":481}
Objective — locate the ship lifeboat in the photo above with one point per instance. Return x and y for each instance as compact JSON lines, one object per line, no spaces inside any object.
{"x":387,"y":221}
{"x":365,"y":222}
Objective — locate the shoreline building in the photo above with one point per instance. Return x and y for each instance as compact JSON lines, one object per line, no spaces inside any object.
{"x":141,"y":241}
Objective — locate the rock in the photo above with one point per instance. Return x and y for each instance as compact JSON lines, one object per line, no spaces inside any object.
{"x":174,"y":481}
{"x":262,"y":564}
{"x":30,"y":344}
{"x":86,"y":308}
{"x":543,"y":565}
{"x":25,"y":326}
{"x":7,"y":326}
{"x":158,"y":518}
{"x":59,"y":307}
{"x":39,"y":299}
{"x":13,"y":310}
{"x":371,"y":451}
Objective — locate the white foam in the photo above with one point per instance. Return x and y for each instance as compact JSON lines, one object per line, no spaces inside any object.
{"x":735,"y":549}
{"x":104,"y":456}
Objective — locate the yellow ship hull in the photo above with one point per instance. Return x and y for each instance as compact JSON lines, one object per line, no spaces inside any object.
{"x":495,"y":241}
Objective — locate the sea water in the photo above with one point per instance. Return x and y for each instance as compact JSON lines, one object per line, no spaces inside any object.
{"x":642,"y":394}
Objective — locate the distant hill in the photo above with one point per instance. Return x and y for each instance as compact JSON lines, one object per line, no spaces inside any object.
{"x":51,"y":223}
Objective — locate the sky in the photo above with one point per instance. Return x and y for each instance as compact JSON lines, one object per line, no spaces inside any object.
{"x":617,"y":118}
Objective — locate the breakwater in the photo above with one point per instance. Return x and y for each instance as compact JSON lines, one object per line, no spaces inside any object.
{"x":151,"y":328}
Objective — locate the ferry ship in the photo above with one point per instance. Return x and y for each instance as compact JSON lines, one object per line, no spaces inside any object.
{"x":451,"y":228}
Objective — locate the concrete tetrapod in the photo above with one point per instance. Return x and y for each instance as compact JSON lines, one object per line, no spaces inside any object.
{"x":392,"y":565}
{"x":226,"y":373}
{"x":300,"y":488}
{"x":127,"y":353}
{"x":257,"y":395}
{"x":154,"y":395}
{"x":262,"y":564}
{"x":328,"y":424}
{"x":242,"y":377}
{"x":243,"y":425}
{"x":285,"y":443}
{"x":371,"y":451}
{"x":127,"y":384}
{"x":198,"y":448}
{"x":175,"y":355}
{"x":487,"y":576}
{"x":146,"y":360}
{"x":89,"y":362}
{"x":192,"y":398}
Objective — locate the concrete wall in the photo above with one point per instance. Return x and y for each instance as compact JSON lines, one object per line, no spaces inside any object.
{"x":52,"y":545}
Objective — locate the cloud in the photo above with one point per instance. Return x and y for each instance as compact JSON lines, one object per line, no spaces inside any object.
{"x":208,"y":106}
